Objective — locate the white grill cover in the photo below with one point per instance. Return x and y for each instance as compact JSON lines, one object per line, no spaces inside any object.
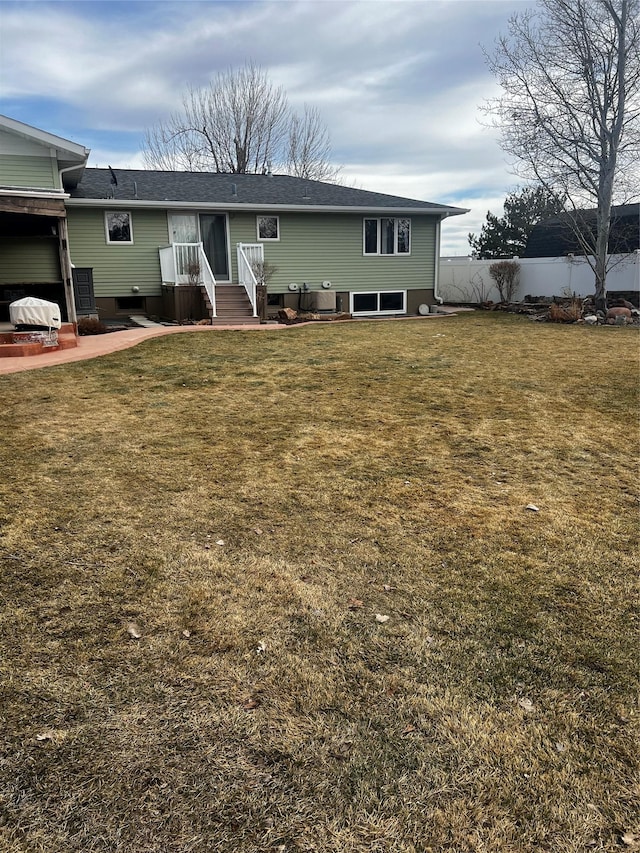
{"x":31,"y":311}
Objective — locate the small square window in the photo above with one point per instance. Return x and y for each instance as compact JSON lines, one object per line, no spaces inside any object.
{"x":118,"y":226}
{"x":268,"y":228}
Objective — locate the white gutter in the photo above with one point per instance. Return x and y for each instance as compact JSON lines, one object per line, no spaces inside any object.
{"x":249,"y":207}
{"x":34,"y":193}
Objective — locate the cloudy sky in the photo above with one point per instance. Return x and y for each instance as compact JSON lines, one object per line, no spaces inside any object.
{"x":398,"y":82}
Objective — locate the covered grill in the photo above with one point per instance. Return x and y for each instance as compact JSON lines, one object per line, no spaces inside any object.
{"x":32,"y":314}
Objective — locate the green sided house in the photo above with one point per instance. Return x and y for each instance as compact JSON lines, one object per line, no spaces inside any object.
{"x":181,"y":245}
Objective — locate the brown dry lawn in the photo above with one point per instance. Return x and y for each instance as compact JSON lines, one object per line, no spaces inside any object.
{"x":349,"y":470}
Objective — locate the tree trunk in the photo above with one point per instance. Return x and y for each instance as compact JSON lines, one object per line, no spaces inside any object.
{"x":602,"y":245}
{"x":603,"y":225}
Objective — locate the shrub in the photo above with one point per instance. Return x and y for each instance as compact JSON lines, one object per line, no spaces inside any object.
{"x":506,"y":275}
{"x":194,"y":271}
{"x":91,"y":326}
{"x":567,"y":313}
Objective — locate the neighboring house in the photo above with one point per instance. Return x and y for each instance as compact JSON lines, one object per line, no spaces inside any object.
{"x":554,"y":263}
{"x":556,"y":238}
{"x":184,"y":244}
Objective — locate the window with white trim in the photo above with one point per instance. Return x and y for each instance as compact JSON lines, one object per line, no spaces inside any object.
{"x":387,"y":236}
{"x":268,"y":227}
{"x":118,"y":226}
{"x":379,"y":302}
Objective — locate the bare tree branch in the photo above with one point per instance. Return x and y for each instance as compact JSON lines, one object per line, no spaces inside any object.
{"x":241,"y":123}
{"x":569,"y":111}
{"x":309,"y":147}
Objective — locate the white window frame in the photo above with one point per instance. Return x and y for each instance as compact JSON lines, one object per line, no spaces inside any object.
{"x":173,"y":213}
{"x":377,"y":312}
{"x":111,"y":242}
{"x":267,"y":239}
{"x":378,"y":253}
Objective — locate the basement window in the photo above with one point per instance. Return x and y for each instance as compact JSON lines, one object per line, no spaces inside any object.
{"x":130,"y":303}
{"x":379,"y":302}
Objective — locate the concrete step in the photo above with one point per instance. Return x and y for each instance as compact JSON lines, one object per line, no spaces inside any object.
{"x":232,"y":318}
{"x":240,"y":310}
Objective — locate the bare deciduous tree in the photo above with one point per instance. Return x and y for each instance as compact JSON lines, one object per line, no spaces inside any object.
{"x":309,"y":147}
{"x":569,"y":111}
{"x":241,"y":123}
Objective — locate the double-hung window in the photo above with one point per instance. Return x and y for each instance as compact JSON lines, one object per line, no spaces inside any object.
{"x":387,"y":236}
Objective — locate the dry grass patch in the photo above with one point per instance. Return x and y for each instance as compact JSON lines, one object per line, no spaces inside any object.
{"x":370,"y":468}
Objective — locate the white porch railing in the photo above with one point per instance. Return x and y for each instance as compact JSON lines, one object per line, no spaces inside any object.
{"x":248,"y":254}
{"x":182,"y":263}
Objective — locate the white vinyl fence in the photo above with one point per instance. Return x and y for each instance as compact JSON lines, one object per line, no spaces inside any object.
{"x":463,"y":279}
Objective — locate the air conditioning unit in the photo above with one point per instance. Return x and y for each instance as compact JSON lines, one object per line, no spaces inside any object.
{"x":324,"y":301}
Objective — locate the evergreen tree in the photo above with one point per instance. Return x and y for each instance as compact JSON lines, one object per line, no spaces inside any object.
{"x":506,"y":236}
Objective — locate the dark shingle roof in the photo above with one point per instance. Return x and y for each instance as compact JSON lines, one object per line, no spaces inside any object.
{"x":554,"y":238}
{"x":250,"y":190}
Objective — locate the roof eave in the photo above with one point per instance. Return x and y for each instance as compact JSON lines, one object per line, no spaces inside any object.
{"x":72,"y":150}
{"x":443,"y":212}
{"x":34,"y":192}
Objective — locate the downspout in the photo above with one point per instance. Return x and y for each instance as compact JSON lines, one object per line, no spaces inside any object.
{"x":65,"y":259}
{"x":436,"y":276}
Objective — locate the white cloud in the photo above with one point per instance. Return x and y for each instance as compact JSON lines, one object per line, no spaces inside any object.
{"x":398,"y":83}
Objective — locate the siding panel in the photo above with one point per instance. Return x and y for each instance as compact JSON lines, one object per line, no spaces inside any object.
{"x":29,"y":260}
{"x":21,"y":171}
{"x":317,"y":247}
{"x":118,"y":268}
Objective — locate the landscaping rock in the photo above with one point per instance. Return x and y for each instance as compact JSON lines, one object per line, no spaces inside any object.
{"x":618,"y":312}
{"x":286,"y":315}
{"x":591,"y":320}
{"x":618,"y":316}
